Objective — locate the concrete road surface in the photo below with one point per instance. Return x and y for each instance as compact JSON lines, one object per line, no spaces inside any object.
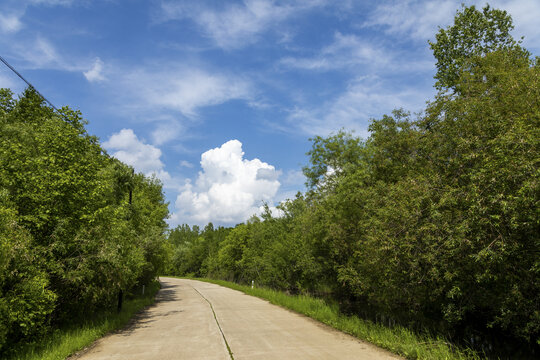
{"x":196,"y":320}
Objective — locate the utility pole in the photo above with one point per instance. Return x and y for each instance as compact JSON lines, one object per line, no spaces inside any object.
{"x":121,"y":293}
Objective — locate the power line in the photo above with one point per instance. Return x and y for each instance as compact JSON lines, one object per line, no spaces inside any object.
{"x":28,"y":83}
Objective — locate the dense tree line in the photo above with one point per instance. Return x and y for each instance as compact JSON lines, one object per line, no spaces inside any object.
{"x":194,"y":250}
{"x":77,"y":226}
{"x":431,"y":220}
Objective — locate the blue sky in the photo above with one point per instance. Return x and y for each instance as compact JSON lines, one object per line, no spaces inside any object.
{"x":219,"y":98}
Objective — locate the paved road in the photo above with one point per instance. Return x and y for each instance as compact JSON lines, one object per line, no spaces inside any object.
{"x":182,"y":325}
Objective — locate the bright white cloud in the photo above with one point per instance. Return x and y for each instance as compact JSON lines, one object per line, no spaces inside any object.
{"x":145,"y":158}
{"x":95,"y":74}
{"x":236,"y":24}
{"x":229,"y":188}
{"x":184,"y":89}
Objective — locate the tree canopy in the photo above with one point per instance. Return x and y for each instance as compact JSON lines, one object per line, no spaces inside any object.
{"x":69,"y":239}
{"x":474,"y":34}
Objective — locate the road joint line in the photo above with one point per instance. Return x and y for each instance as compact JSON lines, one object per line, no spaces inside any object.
{"x":217,"y":322}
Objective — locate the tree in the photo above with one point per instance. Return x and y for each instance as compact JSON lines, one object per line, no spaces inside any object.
{"x":474,"y":33}
{"x":484,"y":147}
{"x":331,"y":155}
{"x":26,"y":300}
{"x":69,"y":237}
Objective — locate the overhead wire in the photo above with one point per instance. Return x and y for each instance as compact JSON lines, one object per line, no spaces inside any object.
{"x":29,"y":84}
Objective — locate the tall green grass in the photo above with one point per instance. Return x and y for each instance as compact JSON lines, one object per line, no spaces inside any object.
{"x":67,"y":341}
{"x":396,"y":339}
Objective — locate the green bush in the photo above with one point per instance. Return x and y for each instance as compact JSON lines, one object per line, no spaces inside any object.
{"x":71,"y":238}
{"x":25,"y":297}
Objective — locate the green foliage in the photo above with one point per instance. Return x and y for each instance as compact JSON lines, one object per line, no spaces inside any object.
{"x":70,"y":237}
{"x":474,"y":33}
{"x":67,"y":340}
{"x":25,"y":300}
{"x":194,"y":252}
{"x":491,"y":171}
{"x":431,"y":221}
{"x":331,"y":155}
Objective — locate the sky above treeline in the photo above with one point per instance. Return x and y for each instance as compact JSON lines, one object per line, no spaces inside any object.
{"x":218,"y":99}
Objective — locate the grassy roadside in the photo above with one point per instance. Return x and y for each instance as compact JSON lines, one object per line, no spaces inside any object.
{"x":397,"y":339}
{"x":65,"y":342}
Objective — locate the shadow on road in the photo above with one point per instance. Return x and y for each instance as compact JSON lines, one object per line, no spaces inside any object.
{"x":167,"y":292}
{"x":150,"y":314}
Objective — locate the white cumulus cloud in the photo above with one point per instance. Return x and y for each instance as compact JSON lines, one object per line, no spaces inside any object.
{"x":229,"y":189}
{"x":145,"y":158}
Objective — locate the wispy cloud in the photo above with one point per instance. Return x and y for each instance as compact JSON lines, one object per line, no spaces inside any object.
{"x":166,"y":131}
{"x":420,"y":19}
{"x":183,"y":89}
{"x":12,"y":12}
{"x":364,"y":99}
{"x":416,"y":19}
{"x":52,"y":2}
{"x":169,"y":97}
{"x":186,"y":164}
{"x":345,"y":51}
{"x":294,"y":177}
{"x":33,"y":50}
{"x":235,"y":25}
{"x":10,"y":23}
{"x":43,"y":54}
